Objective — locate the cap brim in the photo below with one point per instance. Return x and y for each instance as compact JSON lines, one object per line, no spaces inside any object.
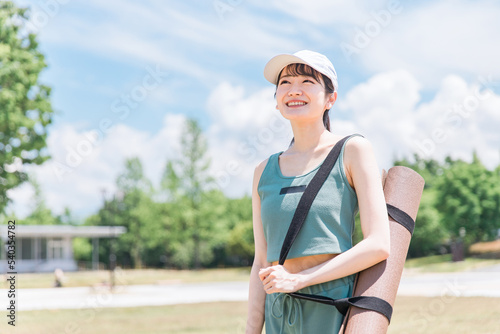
{"x":277,"y":63}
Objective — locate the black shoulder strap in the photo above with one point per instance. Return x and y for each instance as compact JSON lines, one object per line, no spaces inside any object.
{"x":308,"y":197}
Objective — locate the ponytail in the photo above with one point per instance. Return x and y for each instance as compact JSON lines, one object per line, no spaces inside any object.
{"x":326,"y":119}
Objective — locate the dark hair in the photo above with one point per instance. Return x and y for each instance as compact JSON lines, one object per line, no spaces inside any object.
{"x":297,"y":69}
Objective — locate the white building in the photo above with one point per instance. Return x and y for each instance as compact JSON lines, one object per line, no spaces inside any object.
{"x":43,"y":248}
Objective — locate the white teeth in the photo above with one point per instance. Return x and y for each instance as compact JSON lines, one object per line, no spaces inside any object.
{"x":296,"y":103}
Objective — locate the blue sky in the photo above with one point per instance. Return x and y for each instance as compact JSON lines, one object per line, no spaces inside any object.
{"x":414,"y":77}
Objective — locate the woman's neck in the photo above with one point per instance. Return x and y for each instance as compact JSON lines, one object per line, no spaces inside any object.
{"x":307,"y":137}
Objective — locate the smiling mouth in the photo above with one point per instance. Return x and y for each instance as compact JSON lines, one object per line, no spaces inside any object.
{"x":296,"y":103}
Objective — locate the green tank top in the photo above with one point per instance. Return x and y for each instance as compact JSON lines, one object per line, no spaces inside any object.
{"x":329,"y":224}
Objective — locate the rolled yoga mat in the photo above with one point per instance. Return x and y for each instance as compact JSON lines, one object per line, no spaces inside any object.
{"x":402,"y":189}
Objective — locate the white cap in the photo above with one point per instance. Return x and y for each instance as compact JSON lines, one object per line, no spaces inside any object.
{"x":316,"y":60}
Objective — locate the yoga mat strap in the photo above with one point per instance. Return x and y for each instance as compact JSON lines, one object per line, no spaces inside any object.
{"x":401,"y":217}
{"x":342,"y":304}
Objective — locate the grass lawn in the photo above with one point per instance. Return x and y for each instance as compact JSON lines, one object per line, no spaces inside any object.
{"x":411,"y":315}
{"x":443,"y":263}
{"x":445,"y":315}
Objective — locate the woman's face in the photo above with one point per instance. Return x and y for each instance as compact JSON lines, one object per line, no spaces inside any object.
{"x":301,"y":97}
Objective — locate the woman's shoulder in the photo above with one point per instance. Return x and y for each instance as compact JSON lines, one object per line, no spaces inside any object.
{"x":358,"y":156}
{"x":357,"y":146}
{"x":331,"y":139}
{"x":259,"y":169}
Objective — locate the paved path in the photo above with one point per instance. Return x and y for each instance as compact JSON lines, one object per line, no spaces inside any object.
{"x":463,"y":284}
{"x":127,"y":296}
{"x":478,"y":283}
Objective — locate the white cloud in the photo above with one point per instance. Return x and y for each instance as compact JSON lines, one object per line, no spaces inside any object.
{"x":326,"y":12}
{"x":458,"y":119}
{"x":246,"y":130}
{"x":21,"y":199}
{"x":83,"y":163}
{"x":382,"y":109}
{"x":434,"y":39}
{"x":173,"y":35}
{"x":430,"y":39}
{"x":232,"y":111}
{"x":390,"y":90}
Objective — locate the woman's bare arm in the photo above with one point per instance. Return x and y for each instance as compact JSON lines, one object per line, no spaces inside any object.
{"x":257,"y":296}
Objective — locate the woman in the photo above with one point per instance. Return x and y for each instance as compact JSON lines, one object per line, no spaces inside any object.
{"x":322,"y":260}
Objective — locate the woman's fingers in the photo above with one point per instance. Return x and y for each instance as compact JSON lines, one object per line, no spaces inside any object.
{"x":265,"y":272}
{"x":278,"y":279}
{"x":272,"y":278}
{"x":267,"y":276}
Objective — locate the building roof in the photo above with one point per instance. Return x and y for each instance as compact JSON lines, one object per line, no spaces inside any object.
{"x":63,"y":231}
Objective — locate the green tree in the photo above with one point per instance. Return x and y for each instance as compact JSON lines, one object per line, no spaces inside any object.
{"x":136,"y":211}
{"x":82,"y":249}
{"x":429,"y":233}
{"x":429,"y":169}
{"x":25,"y":108}
{"x":468,"y":195}
{"x":110,"y":214}
{"x":186,"y":181}
{"x":133,"y":179}
{"x":144,"y":240}
{"x":240,"y":243}
{"x":132,"y":206}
